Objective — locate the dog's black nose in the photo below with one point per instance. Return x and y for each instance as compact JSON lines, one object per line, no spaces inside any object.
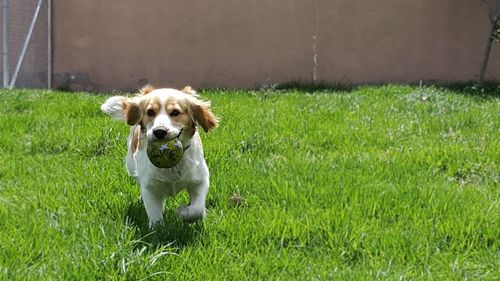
{"x":160,"y":133}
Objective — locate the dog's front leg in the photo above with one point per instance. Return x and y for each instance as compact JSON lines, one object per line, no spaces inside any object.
{"x":153,"y":205}
{"x":196,"y":209}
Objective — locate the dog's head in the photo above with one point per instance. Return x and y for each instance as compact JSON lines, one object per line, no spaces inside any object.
{"x":163,"y":113}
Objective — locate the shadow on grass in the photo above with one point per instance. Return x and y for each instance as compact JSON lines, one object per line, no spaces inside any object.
{"x":489,"y":89}
{"x":173,"y":231}
{"x":319,"y":86}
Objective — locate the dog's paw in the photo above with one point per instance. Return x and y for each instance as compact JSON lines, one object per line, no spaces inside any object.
{"x":153,"y":224}
{"x":191,"y":213}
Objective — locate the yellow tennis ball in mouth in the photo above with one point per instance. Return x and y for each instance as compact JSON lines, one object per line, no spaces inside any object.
{"x":165,"y":153}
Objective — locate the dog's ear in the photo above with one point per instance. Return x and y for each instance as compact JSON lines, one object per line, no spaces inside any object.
{"x":202,"y":115}
{"x":114,"y":107}
{"x":133,"y":112}
{"x":146,"y":90}
{"x":190,"y":91}
{"x":123,"y":108}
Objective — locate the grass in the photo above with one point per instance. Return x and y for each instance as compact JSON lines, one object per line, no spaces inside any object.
{"x":387,"y":182}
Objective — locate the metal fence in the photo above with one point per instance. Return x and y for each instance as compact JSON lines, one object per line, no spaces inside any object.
{"x":26,"y":48}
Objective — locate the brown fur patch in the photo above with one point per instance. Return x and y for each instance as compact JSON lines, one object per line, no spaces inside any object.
{"x":190,"y":91}
{"x":183,"y":118}
{"x":133,"y":112}
{"x":203,"y":115}
{"x":151,"y":104}
{"x":136,"y":136}
{"x":146,"y":90}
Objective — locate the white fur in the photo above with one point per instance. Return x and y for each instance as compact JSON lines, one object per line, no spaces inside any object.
{"x":114,"y":107}
{"x":158,"y":184}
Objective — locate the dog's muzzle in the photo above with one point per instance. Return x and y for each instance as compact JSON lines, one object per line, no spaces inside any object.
{"x":160,"y":132}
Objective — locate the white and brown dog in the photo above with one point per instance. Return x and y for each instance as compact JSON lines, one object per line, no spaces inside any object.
{"x":164,"y":114}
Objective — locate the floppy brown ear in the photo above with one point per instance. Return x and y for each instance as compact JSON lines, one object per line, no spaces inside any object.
{"x":133,"y":112}
{"x":202,"y":114}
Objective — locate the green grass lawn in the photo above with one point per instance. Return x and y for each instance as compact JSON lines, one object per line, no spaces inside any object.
{"x":392,"y":182}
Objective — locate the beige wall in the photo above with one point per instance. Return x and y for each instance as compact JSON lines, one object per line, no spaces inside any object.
{"x":99,"y":45}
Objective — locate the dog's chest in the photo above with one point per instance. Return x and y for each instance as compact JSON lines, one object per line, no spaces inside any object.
{"x":190,"y":171}
{"x":171,"y":175}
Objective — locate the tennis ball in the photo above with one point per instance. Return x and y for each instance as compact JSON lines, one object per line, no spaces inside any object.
{"x":165,"y":153}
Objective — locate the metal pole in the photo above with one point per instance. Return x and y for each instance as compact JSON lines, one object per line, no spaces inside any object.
{"x":25,"y":46}
{"x":6,"y":71}
{"x":49,"y":44}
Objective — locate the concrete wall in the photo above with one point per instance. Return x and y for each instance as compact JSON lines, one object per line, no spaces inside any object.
{"x":99,"y":45}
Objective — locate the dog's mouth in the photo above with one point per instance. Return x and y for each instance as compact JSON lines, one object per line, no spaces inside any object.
{"x":163,"y":133}
{"x":180,"y":133}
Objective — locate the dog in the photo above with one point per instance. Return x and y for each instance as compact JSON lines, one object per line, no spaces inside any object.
{"x":164,"y":114}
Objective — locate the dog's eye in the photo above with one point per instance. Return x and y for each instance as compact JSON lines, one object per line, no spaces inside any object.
{"x":174,"y":113}
{"x":151,"y":112}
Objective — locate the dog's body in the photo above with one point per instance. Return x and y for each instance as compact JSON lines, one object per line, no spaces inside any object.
{"x":165,"y":114}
